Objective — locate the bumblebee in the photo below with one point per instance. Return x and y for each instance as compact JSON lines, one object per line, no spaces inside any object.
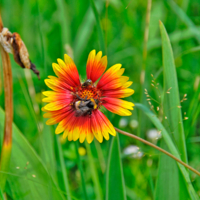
{"x":87,"y":83}
{"x":85,"y":107}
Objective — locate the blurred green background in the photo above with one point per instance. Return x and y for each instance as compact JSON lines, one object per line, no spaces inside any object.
{"x":51,"y":28}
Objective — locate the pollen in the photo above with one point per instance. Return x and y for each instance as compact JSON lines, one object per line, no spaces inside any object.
{"x":87,"y":94}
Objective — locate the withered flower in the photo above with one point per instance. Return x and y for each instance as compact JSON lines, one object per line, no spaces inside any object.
{"x":12,"y":43}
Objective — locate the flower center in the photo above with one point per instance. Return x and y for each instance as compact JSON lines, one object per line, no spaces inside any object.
{"x":87,"y":93}
{"x":86,"y":99}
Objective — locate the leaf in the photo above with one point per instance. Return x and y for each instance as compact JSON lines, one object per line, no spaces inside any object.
{"x":1,"y":195}
{"x":84,"y":32}
{"x":28,"y":177}
{"x":80,"y":167}
{"x":64,"y":181}
{"x":175,"y":37}
{"x":193,"y":111}
{"x":184,"y":18}
{"x":99,"y":29}
{"x":115,"y":186}
{"x":171,"y":147}
{"x":173,"y":186}
{"x":94,"y":173}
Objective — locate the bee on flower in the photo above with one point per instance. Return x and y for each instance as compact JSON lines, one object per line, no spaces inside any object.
{"x":75,"y":106}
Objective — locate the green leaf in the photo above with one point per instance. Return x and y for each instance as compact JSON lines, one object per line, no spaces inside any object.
{"x":171,"y":102}
{"x":99,"y":29}
{"x":173,"y":186}
{"x":172,"y":149}
{"x":184,"y":18}
{"x":28,"y":177}
{"x":115,"y":187}
{"x":193,"y":112}
{"x":84,"y":32}
{"x":80,"y":166}
{"x":63,"y":168}
{"x":175,"y":37}
{"x":1,"y":195}
{"x":94,"y":173}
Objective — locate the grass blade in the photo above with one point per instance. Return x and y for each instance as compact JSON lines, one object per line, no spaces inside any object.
{"x":184,"y":18}
{"x":173,"y":123}
{"x":27,"y":176}
{"x":115,"y":186}
{"x":94,"y":174}
{"x":63,"y":168}
{"x":81,"y":171}
{"x":193,"y":111}
{"x":171,"y":104}
{"x":84,"y":33}
{"x":99,"y":29}
{"x":175,"y":37}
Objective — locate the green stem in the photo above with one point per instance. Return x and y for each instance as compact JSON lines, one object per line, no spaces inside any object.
{"x":99,"y":29}
{"x":63,"y":168}
{"x":81,"y":171}
{"x":94,"y":173}
{"x":140,"y":131}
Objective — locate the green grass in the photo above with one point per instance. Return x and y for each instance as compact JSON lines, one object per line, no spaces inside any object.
{"x":47,"y":27}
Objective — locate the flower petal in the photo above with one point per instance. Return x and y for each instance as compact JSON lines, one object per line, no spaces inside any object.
{"x":118,"y":102}
{"x":89,"y":137}
{"x":108,"y":126}
{"x":64,"y":96}
{"x":118,"y":93}
{"x":76,"y":134}
{"x":95,"y":65}
{"x":115,"y":83}
{"x":102,"y":125}
{"x":54,"y":106}
{"x":57,"y":85}
{"x":82,"y":137}
{"x":109,"y":75}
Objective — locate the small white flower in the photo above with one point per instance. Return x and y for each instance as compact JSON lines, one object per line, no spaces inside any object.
{"x":133,"y":151}
{"x":133,"y":123}
{"x":123,"y":122}
{"x":153,"y":134}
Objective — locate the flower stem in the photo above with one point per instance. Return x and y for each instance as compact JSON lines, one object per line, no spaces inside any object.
{"x":81,"y":172}
{"x":159,"y":149}
{"x":7,"y":140}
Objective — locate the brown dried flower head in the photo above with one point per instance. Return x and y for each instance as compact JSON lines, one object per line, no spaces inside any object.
{"x":12,"y":43}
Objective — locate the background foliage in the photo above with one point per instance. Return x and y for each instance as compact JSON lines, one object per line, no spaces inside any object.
{"x":50,"y":167}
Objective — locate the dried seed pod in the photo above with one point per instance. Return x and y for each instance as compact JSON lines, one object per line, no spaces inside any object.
{"x":12,"y":43}
{"x":6,"y":40}
{"x":21,"y":55}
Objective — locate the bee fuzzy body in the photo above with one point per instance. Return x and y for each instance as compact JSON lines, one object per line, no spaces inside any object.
{"x":85,"y":107}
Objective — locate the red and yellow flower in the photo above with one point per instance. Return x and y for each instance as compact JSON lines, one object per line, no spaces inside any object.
{"x":75,"y":106}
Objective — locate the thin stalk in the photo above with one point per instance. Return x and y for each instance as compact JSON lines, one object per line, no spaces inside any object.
{"x":63,"y":168}
{"x":142,"y":75}
{"x":106,"y":25}
{"x":146,"y":36}
{"x":94,"y":174}
{"x":159,"y":149}
{"x":7,"y":139}
{"x":81,"y":171}
{"x":102,"y":161}
{"x":99,"y":29}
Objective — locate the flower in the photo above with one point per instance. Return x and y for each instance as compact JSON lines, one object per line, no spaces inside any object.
{"x":75,"y":106}
{"x":133,"y":151}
